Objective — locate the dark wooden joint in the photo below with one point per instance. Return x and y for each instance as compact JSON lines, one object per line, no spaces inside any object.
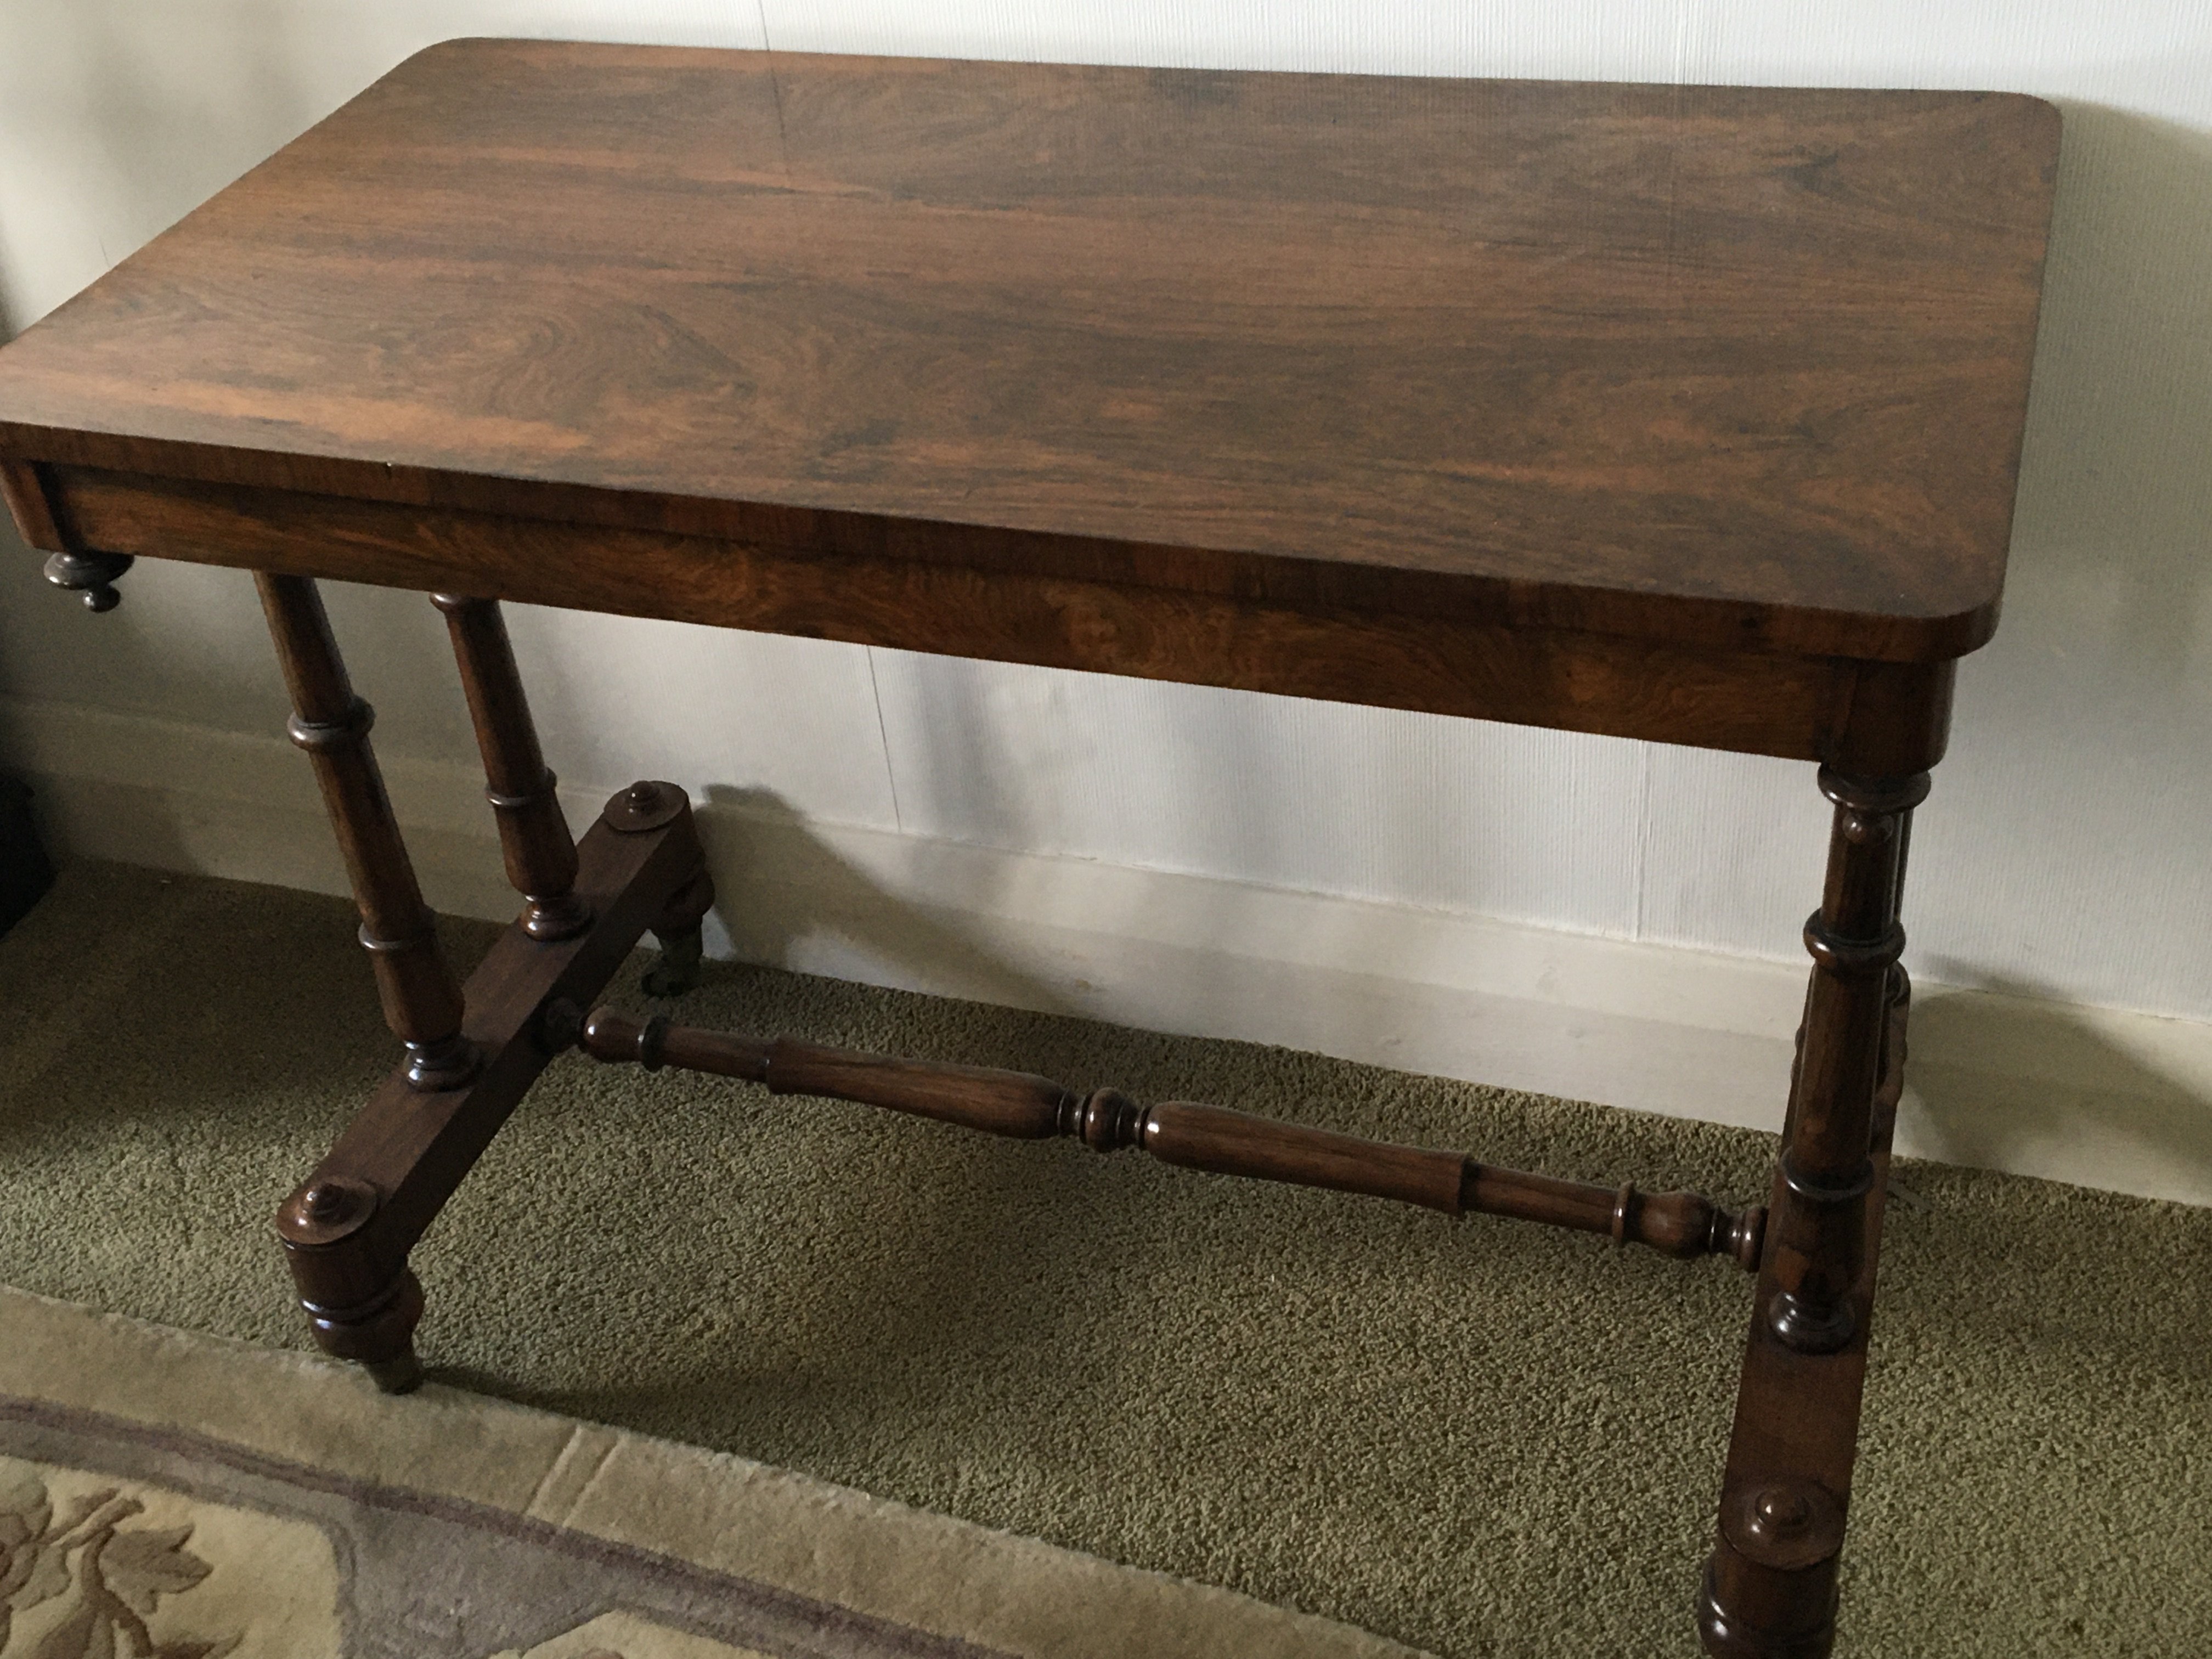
{"x":1898,"y":720}
{"x":680,"y":930}
{"x":349,"y":1228}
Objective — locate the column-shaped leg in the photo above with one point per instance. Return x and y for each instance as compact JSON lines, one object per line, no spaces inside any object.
{"x":533,"y":834}
{"x":1770,"y":1588}
{"x":422,"y":1001}
{"x":1826,"y":1167}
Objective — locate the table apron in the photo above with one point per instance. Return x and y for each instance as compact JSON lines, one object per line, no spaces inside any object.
{"x":1867,"y":718}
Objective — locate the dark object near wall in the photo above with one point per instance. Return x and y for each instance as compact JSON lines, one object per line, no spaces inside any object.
{"x":26,"y":872}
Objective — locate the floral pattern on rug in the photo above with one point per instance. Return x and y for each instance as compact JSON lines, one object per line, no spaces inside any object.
{"x":75,"y":1583}
{"x":625,"y":1636}
{"x":120,"y":1541}
{"x":87,"y":1572}
{"x":95,"y":1568}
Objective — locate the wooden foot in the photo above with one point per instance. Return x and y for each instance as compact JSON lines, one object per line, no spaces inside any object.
{"x":1770,"y":1586}
{"x":92,"y":574}
{"x":348,"y":1230}
{"x":379,"y":1337}
{"x":27,"y":489}
{"x":680,"y":932}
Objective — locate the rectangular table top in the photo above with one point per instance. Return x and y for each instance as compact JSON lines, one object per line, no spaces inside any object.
{"x":1735,"y":367}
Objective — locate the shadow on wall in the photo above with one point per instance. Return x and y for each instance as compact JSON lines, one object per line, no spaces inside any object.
{"x":2007,"y":1076}
{"x":811,"y":908}
{"x":2115,"y":499}
{"x":2091,"y":711}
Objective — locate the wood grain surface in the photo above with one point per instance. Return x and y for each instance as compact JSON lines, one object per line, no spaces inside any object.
{"x":1740,"y":368}
{"x":1877,"y":717}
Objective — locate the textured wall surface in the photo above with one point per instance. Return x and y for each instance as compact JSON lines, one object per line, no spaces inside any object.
{"x":2061,"y":854}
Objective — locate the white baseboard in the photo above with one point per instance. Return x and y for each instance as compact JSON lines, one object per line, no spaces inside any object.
{"x":2100,"y":1097}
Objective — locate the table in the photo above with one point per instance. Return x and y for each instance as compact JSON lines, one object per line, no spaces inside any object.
{"x":1687,"y":414}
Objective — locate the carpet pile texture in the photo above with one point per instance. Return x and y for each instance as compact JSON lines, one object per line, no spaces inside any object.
{"x":1475,"y":1437}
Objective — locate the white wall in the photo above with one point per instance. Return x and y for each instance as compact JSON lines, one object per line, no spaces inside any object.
{"x":2061,"y":856}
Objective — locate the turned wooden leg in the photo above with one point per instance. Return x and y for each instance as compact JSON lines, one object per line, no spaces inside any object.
{"x":1770,"y":1588}
{"x":1826,"y":1168}
{"x":533,"y":834}
{"x":421,"y":999}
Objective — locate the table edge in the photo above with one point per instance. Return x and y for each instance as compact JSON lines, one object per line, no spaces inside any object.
{"x":1763,"y":626}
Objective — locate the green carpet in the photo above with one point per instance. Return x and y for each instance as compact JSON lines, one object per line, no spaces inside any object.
{"x":1480,"y":1437}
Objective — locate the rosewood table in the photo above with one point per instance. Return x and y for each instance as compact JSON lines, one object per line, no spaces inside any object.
{"x":1685,"y":414}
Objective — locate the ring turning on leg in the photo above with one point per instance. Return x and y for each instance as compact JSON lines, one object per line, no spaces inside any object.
{"x":421,"y":999}
{"x":380,"y":1336}
{"x":1826,"y":1172}
{"x":533,"y":834}
{"x":1769,"y":1587}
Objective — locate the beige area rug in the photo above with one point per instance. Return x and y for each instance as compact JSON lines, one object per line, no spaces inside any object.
{"x":165,"y":1495}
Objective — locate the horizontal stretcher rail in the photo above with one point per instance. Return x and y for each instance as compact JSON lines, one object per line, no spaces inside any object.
{"x":1027,"y":1107}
